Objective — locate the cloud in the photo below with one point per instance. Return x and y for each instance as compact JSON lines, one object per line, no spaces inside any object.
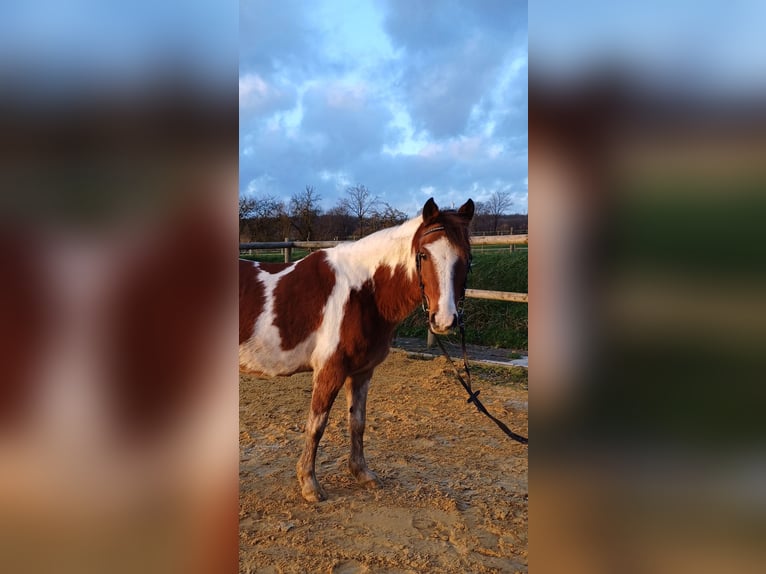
{"x":256,"y":96}
{"x":274,"y":37}
{"x":349,"y":117}
{"x":455,"y":53}
{"x":408,"y":98}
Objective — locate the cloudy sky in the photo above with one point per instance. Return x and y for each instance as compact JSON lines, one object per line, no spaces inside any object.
{"x":412,"y":98}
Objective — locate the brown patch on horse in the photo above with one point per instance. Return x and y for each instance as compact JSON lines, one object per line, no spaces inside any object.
{"x":460,"y":278}
{"x":251,"y":299}
{"x":365,"y":333}
{"x":455,"y":224}
{"x":300,"y":297}
{"x":328,"y":381}
{"x":396,"y":293}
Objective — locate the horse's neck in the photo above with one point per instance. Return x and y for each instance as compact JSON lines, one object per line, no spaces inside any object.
{"x":386,"y":258}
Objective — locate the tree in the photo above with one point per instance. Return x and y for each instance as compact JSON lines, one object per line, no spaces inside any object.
{"x":337,"y":223}
{"x":304,"y":209}
{"x":387,"y":216}
{"x":265,"y":224}
{"x":360,"y":202}
{"x":259,"y":217}
{"x":246,"y":207}
{"x":246,"y":210}
{"x":496,"y":206}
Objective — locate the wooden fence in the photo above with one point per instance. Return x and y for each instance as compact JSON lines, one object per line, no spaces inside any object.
{"x":511,"y":240}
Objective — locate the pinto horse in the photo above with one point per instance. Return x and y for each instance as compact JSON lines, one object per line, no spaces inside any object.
{"x":334,"y":313}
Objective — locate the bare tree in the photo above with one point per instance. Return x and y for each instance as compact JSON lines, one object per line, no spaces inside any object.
{"x":360,"y":202}
{"x":337,"y":223}
{"x":259,"y":217}
{"x":304,"y":209}
{"x":387,"y":215}
{"x":496,"y":206}
{"x":246,"y":207}
{"x":266,"y":221}
{"x":246,"y":210}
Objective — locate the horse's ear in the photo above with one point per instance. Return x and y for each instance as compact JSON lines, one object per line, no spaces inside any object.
{"x":430,"y":210}
{"x":466,"y":210}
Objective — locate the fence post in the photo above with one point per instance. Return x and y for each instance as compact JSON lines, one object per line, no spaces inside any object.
{"x":288,"y":251}
{"x":430,"y":340}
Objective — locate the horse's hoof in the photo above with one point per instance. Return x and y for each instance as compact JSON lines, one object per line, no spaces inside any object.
{"x":368,"y":479}
{"x":313,"y":494}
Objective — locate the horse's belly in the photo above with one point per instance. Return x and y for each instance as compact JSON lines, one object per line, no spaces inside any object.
{"x":264,"y":356}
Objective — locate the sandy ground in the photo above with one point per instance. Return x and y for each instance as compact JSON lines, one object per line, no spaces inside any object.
{"x":454,"y":489}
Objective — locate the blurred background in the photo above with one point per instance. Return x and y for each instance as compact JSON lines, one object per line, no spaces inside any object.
{"x":118,"y":394}
{"x":647,"y":312}
{"x":118,"y":185}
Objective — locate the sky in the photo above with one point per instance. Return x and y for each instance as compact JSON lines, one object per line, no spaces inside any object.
{"x":412,"y":98}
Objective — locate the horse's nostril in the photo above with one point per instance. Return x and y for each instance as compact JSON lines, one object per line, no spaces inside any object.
{"x":432,"y":319}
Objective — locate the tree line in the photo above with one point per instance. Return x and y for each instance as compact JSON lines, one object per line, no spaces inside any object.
{"x":358,"y":213}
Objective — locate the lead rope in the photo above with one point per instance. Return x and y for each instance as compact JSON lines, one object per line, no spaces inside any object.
{"x":473,"y":396}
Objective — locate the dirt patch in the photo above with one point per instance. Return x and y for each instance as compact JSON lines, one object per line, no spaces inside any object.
{"x":454,"y":488}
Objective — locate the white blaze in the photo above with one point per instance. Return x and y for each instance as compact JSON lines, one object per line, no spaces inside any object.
{"x":444,"y":257}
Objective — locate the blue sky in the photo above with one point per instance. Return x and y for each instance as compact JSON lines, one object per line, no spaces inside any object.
{"x":411,"y":98}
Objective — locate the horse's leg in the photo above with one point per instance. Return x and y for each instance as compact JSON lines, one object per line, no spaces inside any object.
{"x":326,"y":385}
{"x":356,"y":397}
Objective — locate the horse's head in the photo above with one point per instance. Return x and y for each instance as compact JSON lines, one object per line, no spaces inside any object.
{"x":443,"y":251}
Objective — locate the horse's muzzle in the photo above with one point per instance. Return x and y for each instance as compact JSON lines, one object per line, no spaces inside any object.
{"x":441,"y":329}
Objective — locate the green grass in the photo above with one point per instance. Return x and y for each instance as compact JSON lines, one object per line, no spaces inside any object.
{"x":493,"y":375}
{"x":490,"y":323}
{"x":267,"y":257}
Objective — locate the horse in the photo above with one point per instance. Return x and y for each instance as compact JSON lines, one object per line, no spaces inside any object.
{"x":334,"y":312}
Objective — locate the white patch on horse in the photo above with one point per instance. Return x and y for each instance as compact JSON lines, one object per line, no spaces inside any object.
{"x":263,"y":352}
{"x":358,"y":261}
{"x":444,"y":256}
{"x":354,"y":264}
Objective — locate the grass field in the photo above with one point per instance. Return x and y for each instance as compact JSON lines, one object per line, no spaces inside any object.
{"x":490,"y":323}
{"x":274,"y":256}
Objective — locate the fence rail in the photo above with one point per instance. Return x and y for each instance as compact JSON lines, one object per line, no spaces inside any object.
{"x":475,"y":240}
{"x":497,"y":295}
{"x":287,"y":247}
{"x":500,"y":239}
